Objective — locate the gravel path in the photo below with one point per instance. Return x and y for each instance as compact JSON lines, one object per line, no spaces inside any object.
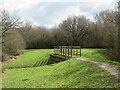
{"x":113,"y":71}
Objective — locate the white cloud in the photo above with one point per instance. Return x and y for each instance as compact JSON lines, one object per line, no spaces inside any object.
{"x":68,"y":11}
{"x":11,"y":5}
{"x":52,"y":12}
{"x":21,"y":4}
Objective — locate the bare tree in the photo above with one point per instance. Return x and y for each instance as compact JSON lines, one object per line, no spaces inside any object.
{"x":74,"y":29}
{"x":7,"y":22}
{"x":11,"y":40}
{"x":118,"y":39}
{"x":106,"y":25}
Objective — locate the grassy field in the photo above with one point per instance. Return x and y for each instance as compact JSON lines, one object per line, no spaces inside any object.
{"x":98,"y":55}
{"x":70,"y":73}
{"x":29,"y":58}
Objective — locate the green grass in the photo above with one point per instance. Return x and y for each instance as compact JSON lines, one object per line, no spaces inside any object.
{"x":29,"y":58}
{"x":98,"y":55}
{"x":68,"y":74}
{"x":71,"y":73}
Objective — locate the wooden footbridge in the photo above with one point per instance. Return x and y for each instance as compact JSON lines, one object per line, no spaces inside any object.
{"x":68,"y":50}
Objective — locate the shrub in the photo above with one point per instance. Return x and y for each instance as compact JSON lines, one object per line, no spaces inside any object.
{"x":13,"y":43}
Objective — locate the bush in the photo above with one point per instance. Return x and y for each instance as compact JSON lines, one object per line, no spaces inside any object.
{"x":13,"y":43}
{"x":5,"y":56}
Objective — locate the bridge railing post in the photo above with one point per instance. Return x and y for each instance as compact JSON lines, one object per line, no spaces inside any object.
{"x":80,"y":51}
{"x":71,"y":51}
{"x":68,"y":50}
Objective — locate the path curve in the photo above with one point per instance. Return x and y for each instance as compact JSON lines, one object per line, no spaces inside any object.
{"x":107,"y":67}
{"x":113,"y":71}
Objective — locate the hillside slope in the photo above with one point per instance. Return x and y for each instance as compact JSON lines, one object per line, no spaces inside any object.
{"x":71,"y":73}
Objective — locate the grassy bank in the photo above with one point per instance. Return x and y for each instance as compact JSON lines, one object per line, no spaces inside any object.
{"x":29,"y":58}
{"x":99,"y":56}
{"x":70,"y":73}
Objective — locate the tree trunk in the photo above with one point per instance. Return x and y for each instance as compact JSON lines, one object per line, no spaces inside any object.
{"x":119,"y":30}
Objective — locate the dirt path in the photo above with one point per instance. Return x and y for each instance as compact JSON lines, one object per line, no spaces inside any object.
{"x":113,"y":71}
{"x":110,"y":69}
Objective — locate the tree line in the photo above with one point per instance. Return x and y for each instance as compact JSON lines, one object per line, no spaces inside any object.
{"x":75,"y":30}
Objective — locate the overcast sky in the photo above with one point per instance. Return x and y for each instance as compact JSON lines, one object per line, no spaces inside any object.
{"x":51,"y":12}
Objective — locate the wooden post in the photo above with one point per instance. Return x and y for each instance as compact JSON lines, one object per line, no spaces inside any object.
{"x":80,"y":51}
{"x":76,"y":51}
{"x":63,"y":50}
{"x":68,"y":50}
{"x":71,"y":51}
{"x":57,"y":49}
